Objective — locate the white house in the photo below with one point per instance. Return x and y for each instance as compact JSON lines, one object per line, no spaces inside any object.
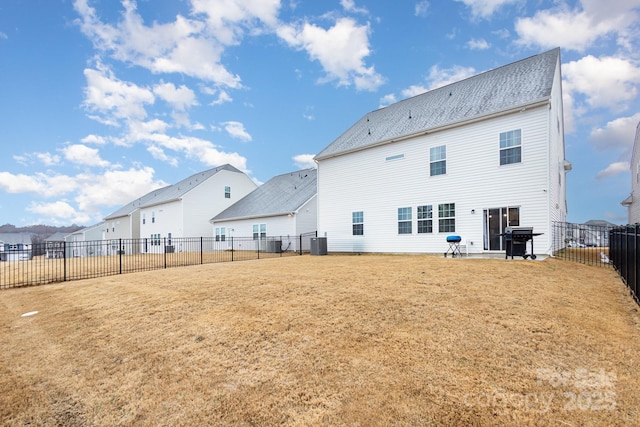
{"x":90,"y":241}
{"x":466,"y":159}
{"x":633,"y":201}
{"x":54,"y":245}
{"x":274,"y":214}
{"x":175,"y":211}
{"x":185,"y":208}
{"x":15,"y":247}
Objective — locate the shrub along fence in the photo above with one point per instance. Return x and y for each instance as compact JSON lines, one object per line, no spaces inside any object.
{"x":624,"y":252}
{"x":52,"y":262}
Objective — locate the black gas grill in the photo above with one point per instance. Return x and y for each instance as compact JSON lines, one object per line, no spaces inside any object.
{"x":516,"y":239}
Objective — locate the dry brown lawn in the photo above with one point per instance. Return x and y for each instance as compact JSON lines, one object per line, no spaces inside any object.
{"x":332,"y":340}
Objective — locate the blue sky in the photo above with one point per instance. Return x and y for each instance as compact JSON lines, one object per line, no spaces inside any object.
{"x":102,"y":101}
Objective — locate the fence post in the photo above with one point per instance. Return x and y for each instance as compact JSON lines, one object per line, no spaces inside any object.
{"x":635,"y":262}
{"x":164,"y":245}
{"x":201,"y":249}
{"x":120,"y":254}
{"x":232,"y":249}
{"x":300,"y":246}
{"x":64,"y":261}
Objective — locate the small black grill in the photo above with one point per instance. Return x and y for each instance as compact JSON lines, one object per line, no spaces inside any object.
{"x":516,"y":239}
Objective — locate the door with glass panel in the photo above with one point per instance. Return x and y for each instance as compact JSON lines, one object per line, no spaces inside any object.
{"x":496,"y":220}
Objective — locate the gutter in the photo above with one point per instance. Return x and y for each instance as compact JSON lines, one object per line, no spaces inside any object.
{"x":238,"y":218}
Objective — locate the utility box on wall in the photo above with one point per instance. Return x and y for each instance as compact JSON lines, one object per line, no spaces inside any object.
{"x":318,"y":246}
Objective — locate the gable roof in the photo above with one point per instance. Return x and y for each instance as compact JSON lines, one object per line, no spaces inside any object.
{"x":16,"y":238}
{"x":280,"y":195}
{"x":170,"y":192}
{"x":57,"y":237}
{"x":515,"y":85}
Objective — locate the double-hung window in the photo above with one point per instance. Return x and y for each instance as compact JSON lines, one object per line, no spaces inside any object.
{"x":259,"y":231}
{"x":357,"y":223}
{"x":425,"y":219}
{"x":227,"y":192}
{"x":447,"y":217}
{"x":220,"y":234}
{"x":438,"y":159}
{"x":404,"y":220}
{"x":510,"y":147}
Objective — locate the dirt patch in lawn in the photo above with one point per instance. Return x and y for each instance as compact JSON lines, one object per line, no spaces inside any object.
{"x":331,"y":340}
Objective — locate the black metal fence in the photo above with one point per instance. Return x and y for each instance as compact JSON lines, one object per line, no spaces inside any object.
{"x":585,"y":243}
{"x":624,"y":254}
{"x":51,"y":262}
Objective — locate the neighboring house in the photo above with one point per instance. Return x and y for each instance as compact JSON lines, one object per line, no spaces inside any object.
{"x":125,"y":222}
{"x":176,"y":211}
{"x":593,"y":233}
{"x":54,"y":245}
{"x":274,"y":214}
{"x":90,"y":241}
{"x":184,"y":209}
{"x":633,"y":201}
{"x":467,"y":159}
{"x":15,"y":246}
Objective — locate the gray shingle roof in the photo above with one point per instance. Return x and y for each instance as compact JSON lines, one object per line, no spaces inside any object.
{"x":16,"y":238}
{"x":518,"y":84}
{"x":170,"y":192}
{"x":280,"y":195}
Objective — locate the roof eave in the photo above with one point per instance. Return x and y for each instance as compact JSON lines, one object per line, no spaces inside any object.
{"x":514,"y":109}
{"x":239,"y":218}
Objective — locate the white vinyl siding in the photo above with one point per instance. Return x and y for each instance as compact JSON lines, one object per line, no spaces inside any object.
{"x":365,"y":181}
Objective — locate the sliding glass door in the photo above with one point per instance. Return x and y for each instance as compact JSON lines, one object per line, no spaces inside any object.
{"x":496,"y":220}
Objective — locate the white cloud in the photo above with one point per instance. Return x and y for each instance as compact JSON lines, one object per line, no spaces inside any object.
{"x":45,"y":158}
{"x":421,"y":8}
{"x":48,"y":159}
{"x":159,"y":154}
{"x":478,"y":44}
{"x":223,"y":97}
{"x":387,"y":100}
{"x":618,"y":134}
{"x":304,"y":161}
{"x":83,"y":155}
{"x":94,"y":139}
{"x":3,"y":36}
{"x":199,"y":149}
{"x":549,"y":27}
{"x":237,"y":130}
{"x":413,"y":90}
{"x":607,"y":82}
{"x":613,"y":169}
{"x":112,"y":99}
{"x":181,"y":98}
{"x":341,"y":50}
{"x":439,"y":77}
{"x":59,"y":212}
{"x":40,"y":183}
{"x":350,"y":6}
{"x":228,"y":19}
{"x":485,"y":8}
{"x":181,"y":46}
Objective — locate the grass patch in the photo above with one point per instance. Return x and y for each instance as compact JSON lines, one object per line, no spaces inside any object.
{"x":333,"y":340}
